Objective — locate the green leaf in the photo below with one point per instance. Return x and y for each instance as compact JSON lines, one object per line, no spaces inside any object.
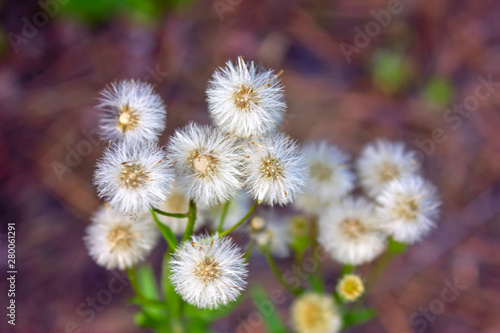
{"x":316,"y":282}
{"x":395,"y":247}
{"x":272,"y":320}
{"x":390,"y":71}
{"x":149,"y":290}
{"x":165,"y":231}
{"x":358,"y":317}
{"x":439,"y":91}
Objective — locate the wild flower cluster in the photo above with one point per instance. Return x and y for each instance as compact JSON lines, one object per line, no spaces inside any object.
{"x":206,"y":177}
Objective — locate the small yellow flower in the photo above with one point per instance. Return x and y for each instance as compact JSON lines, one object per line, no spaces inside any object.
{"x":350,"y":287}
{"x":315,"y":313}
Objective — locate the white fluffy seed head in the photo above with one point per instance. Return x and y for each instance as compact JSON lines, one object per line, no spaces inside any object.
{"x":349,"y":232}
{"x":131,"y":111}
{"x":245,"y":100}
{"x":330,"y":177}
{"x":408,"y":208}
{"x":383,"y":161}
{"x":315,"y":313}
{"x":208,"y":271}
{"x":178,"y":203}
{"x":116,"y":241}
{"x":133,"y":178}
{"x":275,"y":169}
{"x":207,"y":164}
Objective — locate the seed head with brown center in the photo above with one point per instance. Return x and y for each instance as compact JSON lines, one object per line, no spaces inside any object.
{"x":133,"y":175}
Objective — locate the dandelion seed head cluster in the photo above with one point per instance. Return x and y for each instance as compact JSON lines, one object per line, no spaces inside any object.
{"x":209,"y":174}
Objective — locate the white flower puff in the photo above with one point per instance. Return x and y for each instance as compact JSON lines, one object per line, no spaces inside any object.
{"x":131,"y":111}
{"x":118,"y":241}
{"x":383,"y":161}
{"x":330,"y":177}
{"x":275,"y":169}
{"x":208,"y":271}
{"x":133,"y":178}
{"x":349,"y":232}
{"x":245,"y":100}
{"x":207,"y":164}
{"x":408,"y":208}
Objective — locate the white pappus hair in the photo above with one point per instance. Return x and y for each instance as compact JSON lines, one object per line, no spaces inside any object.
{"x":408,"y":208}
{"x":133,"y":178}
{"x":349,"y":232}
{"x":116,"y":241}
{"x":131,"y":111}
{"x":382,"y":161}
{"x":207,"y":163}
{"x":208,"y":271}
{"x":275,"y":169}
{"x":245,"y":100}
{"x":330,"y":177}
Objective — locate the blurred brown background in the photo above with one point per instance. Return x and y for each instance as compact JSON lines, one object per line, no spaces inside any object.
{"x":412,"y":70}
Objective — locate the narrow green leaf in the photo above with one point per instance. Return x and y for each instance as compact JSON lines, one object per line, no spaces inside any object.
{"x":272,"y":320}
{"x":165,"y":231}
{"x":395,"y":247}
{"x":358,"y":317}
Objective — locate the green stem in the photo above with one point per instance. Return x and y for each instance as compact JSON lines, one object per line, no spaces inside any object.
{"x":248,"y":252}
{"x":165,"y":231}
{"x":241,"y":221}
{"x":347,"y":269}
{"x":223,"y":216}
{"x":376,"y":272}
{"x":277,"y":273}
{"x":317,"y":275}
{"x":134,"y":282}
{"x":191,"y":220}
{"x":176,"y":215}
